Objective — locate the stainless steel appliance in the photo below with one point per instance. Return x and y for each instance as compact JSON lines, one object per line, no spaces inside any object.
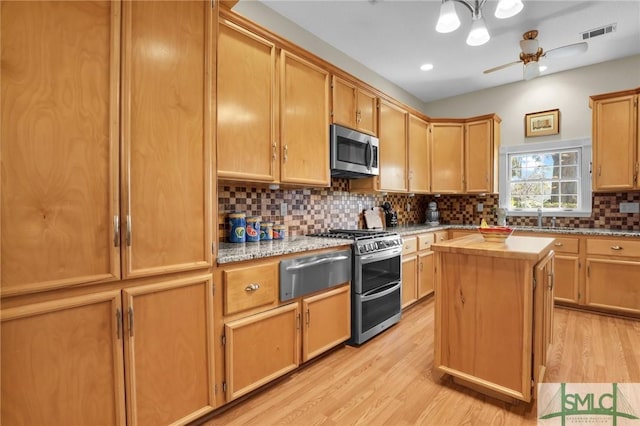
{"x":390,"y":216}
{"x":307,"y":274}
{"x":376,"y":295}
{"x":353,"y":154}
{"x":433,"y":215}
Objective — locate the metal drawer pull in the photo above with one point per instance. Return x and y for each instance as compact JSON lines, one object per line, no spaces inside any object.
{"x":252,"y":287}
{"x":558,"y":244}
{"x":616,"y":247}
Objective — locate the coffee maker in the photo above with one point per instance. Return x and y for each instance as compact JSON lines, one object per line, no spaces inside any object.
{"x":390,"y":216}
{"x":433,"y":215}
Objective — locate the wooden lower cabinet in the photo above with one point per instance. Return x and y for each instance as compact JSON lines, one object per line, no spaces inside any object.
{"x":567,"y":282}
{"x":426,"y":274}
{"x":62,"y":362}
{"x":613,"y":285}
{"x":262,"y":347}
{"x":409,"y":280}
{"x":327,"y":321}
{"x":169,"y":354}
{"x":543,"y":303}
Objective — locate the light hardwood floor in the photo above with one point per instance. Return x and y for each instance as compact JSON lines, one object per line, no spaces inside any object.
{"x":389,"y":380}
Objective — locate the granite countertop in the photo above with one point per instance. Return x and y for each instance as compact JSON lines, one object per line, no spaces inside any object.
{"x":237,"y":252}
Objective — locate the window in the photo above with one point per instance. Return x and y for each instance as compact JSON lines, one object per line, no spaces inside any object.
{"x":553,"y":177}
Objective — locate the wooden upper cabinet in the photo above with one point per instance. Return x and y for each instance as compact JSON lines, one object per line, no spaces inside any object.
{"x":62,"y":362}
{"x":418,"y":158}
{"x":166,"y":136}
{"x":480,"y":154}
{"x":304,"y":121}
{"x":354,"y":107}
{"x":169,"y":351}
{"x":59,"y":194}
{"x":615,"y":143}
{"x":447,"y":158}
{"x":247,"y":141}
{"x":393,"y":147}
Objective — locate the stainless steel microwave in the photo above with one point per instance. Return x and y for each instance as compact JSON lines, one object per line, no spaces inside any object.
{"x":353,"y":154}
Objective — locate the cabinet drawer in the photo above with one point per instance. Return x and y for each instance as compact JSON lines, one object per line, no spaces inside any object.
{"x":441,"y":236}
{"x":566,"y":245}
{"x":249,"y":287}
{"x":614,"y":247}
{"x":425,"y":241}
{"x":409,"y":245}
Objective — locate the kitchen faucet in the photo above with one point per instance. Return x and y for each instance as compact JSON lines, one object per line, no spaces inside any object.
{"x":539,"y":217}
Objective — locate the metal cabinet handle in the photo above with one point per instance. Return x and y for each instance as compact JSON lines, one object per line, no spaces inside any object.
{"x":558,"y":244}
{"x":551,"y":281}
{"x":116,"y":231}
{"x":308,"y":318}
{"x":286,"y":152}
{"x":274,"y":151}
{"x":128,"y":236}
{"x":616,"y":247}
{"x":252,"y":287}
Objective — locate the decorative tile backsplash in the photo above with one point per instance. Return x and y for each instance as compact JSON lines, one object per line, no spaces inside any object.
{"x":314,"y":210}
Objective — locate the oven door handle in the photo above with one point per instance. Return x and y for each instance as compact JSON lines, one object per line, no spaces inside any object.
{"x":380,"y":291}
{"x":382,"y":255}
{"x":316,"y":262}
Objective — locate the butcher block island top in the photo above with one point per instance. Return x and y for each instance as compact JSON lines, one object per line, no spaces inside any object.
{"x":494,"y":313}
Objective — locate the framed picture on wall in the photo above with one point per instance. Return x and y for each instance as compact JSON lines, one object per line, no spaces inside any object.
{"x":542,"y":123}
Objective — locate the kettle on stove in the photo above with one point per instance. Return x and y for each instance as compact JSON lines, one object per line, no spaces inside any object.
{"x":390,"y":216}
{"x":433,"y":215}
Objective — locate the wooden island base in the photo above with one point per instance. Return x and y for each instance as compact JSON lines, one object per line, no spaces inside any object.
{"x":493,"y":313}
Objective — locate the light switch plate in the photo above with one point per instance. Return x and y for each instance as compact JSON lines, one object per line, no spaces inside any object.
{"x":480,"y":207}
{"x":629,"y":207}
{"x":283,"y":209}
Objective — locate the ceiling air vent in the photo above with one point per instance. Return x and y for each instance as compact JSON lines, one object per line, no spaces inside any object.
{"x":599,"y":31}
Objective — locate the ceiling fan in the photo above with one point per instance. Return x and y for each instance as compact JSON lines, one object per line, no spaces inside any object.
{"x":531,"y":53}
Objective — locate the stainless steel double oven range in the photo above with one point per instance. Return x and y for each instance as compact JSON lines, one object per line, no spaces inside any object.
{"x":376,"y":285}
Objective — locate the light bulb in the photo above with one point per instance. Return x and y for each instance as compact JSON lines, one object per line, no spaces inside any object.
{"x":478,"y":34}
{"x":508,"y":8}
{"x":448,"y":20}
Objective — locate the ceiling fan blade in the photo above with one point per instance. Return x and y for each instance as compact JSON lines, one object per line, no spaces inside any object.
{"x":501,"y":67}
{"x":531,"y":70}
{"x":568,"y":50}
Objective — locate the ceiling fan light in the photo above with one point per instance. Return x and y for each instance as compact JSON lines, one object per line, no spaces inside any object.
{"x":529,"y":46}
{"x":478,"y":35}
{"x":508,"y":8}
{"x":448,"y":20}
{"x":531,"y":70}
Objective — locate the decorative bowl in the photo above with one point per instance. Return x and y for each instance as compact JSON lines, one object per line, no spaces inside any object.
{"x":495,"y":234}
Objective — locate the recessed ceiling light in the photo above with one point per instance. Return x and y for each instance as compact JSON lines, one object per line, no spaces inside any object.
{"x":426,"y":67}
{"x":543,"y":68}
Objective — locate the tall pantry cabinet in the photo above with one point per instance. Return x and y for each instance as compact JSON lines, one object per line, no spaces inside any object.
{"x":106,"y":212}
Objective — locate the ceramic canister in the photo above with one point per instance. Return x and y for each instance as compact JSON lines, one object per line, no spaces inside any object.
{"x":253,"y":228}
{"x":278,"y":232}
{"x":237,"y":226}
{"x":266,"y":230}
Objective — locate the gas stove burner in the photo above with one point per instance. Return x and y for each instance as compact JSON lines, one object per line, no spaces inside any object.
{"x":365,"y":241}
{"x":352,"y":234}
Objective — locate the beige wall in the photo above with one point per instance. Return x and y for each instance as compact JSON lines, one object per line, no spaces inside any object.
{"x":568,"y":91}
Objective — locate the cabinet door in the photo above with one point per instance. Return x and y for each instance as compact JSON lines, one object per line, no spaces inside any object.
{"x":327,"y":319}
{"x":567,"y":278}
{"x":62,"y":362}
{"x":260,"y":348}
{"x":614,"y":143}
{"x":304,"y":126}
{"x":478,"y":156}
{"x":409,"y":280}
{"x":344,"y":103}
{"x":393,"y":147}
{"x":418,"y":158}
{"x":246,"y":139}
{"x":166,"y":136}
{"x":426,"y":274}
{"x":59,"y":150}
{"x":447,"y":155}
{"x":613,"y":285}
{"x":169,"y":351}
{"x":367,"y":114}
{"x":542,"y":315}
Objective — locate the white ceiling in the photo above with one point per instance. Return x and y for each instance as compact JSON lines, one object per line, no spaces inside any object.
{"x":394,"y":37}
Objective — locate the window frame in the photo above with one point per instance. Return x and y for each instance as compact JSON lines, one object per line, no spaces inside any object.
{"x":583,"y":145}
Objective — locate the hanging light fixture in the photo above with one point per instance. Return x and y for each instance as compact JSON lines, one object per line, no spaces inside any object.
{"x":448,"y":20}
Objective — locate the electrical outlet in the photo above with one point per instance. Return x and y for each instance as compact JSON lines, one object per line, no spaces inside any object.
{"x":479,"y":207}
{"x":629,"y":207}
{"x":408,"y":207}
{"x":283,"y":209}
{"x":359,"y":207}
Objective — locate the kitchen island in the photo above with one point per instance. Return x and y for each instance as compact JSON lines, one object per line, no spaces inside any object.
{"x":493,"y":313}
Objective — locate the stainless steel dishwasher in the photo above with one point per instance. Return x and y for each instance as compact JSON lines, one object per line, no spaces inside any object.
{"x":307,"y":274}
